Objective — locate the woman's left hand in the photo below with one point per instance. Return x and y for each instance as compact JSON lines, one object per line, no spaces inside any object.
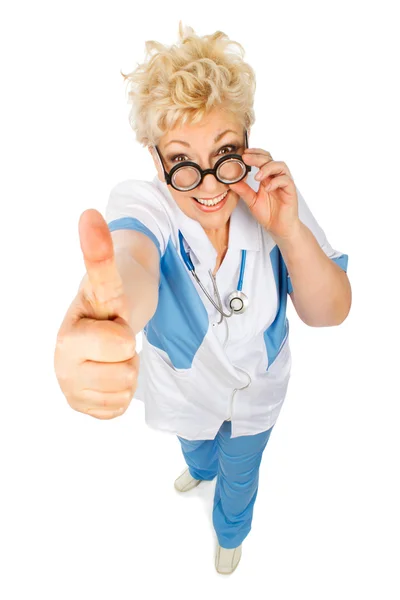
{"x":275,"y":209}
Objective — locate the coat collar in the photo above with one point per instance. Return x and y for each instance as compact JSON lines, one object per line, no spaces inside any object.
{"x":244,"y":229}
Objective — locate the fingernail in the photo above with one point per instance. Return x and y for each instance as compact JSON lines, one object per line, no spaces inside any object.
{"x":258,"y":176}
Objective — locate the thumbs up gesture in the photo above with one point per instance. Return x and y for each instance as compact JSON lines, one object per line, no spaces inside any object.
{"x":95,"y":358}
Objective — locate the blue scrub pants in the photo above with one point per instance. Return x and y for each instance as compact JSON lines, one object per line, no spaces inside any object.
{"x":235,"y":462}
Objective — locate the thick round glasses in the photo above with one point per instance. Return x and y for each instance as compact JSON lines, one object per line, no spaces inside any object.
{"x":187,"y":175}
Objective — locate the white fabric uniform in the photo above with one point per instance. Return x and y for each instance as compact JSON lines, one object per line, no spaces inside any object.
{"x":194,"y":373}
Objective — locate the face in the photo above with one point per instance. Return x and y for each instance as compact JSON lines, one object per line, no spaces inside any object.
{"x":197,"y":143}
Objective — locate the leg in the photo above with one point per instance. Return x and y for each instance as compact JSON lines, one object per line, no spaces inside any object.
{"x":237,"y":484}
{"x":201,"y":458}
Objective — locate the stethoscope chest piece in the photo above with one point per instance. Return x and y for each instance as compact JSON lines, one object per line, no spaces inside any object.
{"x":238,"y":302}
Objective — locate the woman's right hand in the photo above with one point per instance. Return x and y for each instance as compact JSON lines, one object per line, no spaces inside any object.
{"x":95,"y":357}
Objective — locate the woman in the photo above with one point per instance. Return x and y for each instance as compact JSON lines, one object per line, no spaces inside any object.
{"x":221,"y":236}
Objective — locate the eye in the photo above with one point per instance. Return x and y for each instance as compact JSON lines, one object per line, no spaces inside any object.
{"x":174,"y":158}
{"x":232,"y":149}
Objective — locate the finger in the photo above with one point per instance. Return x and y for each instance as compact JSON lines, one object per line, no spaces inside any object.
{"x":256,"y":160}
{"x":279,"y":182}
{"x":103,"y":341}
{"x":258,"y":151}
{"x":104,"y":414}
{"x":107,"y":401}
{"x":245,"y":192}
{"x":108,"y":377}
{"x":272,"y":168}
{"x":98,"y":254}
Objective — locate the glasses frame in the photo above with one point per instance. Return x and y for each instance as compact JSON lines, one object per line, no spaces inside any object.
{"x":203,"y":173}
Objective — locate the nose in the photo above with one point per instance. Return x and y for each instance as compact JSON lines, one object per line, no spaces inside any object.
{"x":210,"y":186}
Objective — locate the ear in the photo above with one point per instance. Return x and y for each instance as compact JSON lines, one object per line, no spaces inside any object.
{"x":157,"y":163}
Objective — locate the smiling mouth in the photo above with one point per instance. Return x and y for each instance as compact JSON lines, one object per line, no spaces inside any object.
{"x":214,"y":202}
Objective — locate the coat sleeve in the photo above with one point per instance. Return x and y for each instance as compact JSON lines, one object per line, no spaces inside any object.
{"x":310,"y":221}
{"x":136,"y":205}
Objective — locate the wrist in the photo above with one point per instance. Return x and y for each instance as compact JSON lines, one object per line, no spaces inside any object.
{"x":289,"y":238}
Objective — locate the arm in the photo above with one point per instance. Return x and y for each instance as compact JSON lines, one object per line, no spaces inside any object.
{"x":137,"y":260}
{"x":321,"y":289}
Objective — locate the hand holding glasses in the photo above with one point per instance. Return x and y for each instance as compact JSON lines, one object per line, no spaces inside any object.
{"x":187,"y":175}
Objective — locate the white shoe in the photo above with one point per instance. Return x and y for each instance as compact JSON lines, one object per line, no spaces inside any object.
{"x":227,"y":559}
{"x":186,"y":482}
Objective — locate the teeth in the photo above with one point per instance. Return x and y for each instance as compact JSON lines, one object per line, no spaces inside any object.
{"x":212,"y":202}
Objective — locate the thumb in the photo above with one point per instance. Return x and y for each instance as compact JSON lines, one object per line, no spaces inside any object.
{"x":98,"y":254}
{"x":245,"y":192}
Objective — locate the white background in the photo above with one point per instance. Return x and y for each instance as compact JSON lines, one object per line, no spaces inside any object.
{"x":88,"y":507}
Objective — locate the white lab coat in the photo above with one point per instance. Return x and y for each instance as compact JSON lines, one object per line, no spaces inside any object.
{"x":194,"y":373}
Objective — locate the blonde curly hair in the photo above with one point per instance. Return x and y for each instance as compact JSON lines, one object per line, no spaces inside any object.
{"x":182,"y":83}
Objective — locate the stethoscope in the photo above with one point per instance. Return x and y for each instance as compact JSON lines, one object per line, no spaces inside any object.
{"x":237,"y":300}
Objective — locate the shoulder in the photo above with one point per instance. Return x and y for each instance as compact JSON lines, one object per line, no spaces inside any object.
{"x":132,"y":196}
{"x":140,"y":205}
{"x":138,"y":191}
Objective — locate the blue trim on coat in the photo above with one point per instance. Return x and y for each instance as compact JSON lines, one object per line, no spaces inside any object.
{"x":180,"y":322}
{"x":277,"y":332}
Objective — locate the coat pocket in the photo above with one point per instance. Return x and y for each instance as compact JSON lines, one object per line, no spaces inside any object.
{"x":161,"y":361}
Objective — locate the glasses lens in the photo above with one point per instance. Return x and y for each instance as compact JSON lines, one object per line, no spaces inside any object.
{"x":186,"y":178}
{"x":231,"y":170}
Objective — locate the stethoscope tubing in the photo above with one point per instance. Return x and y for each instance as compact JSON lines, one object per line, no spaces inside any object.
{"x":188,"y":261}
